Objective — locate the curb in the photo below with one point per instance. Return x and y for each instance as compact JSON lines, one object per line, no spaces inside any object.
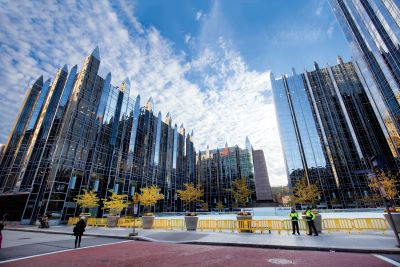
{"x":269,"y":246}
{"x":64,"y":233}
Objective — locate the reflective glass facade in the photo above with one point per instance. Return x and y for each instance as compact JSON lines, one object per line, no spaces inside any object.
{"x":330,"y":133}
{"x":372,"y":28}
{"x":82,"y":132}
{"x":217,"y":168}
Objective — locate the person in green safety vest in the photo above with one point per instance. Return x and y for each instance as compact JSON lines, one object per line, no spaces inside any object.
{"x":310,"y":217}
{"x":294,"y":216}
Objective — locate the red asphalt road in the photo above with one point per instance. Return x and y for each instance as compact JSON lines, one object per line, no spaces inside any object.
{"x":136,"y":253}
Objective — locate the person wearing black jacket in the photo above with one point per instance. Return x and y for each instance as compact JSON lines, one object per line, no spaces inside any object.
{"x":78,"y":232}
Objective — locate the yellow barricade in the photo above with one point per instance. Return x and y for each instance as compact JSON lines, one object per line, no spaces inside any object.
{"x":337,"y":224}
{"x":226,"y":225}
{"x":243,"y":225}
{"x":207,"y":225}
{"x":73,"y":220}
{"x":162,"y":224}
{"x":91,"y":222}
{"x":261,"y":225}
{"x":177,"y":224}
{"x":125,"y":222}
{"x":370,"y":224}
{"x":101,"y":222}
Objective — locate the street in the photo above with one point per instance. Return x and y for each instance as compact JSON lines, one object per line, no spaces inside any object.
{"x":39,"y":249}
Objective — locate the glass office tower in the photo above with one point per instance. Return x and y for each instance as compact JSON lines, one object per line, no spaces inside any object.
{"x":372,"y":29}
{"x":82,"y":132}
{"x":218,"y":168}
{"x":330,"y":134}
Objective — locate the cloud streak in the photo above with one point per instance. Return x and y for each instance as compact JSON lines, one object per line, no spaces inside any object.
{"x":214,"y":93}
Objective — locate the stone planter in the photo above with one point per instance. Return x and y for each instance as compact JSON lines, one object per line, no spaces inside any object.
{"x":112,"y":221}
{"x":244,"y":223}
{"x":191,"y":222}
{"x":396,"y":219}
{"x":147,"y":222}
{"x":317,"y":222}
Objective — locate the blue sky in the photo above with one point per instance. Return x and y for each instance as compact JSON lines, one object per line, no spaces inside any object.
{"x":206,"y":62}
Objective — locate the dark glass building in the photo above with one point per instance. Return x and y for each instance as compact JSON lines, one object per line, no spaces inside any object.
{"x":82,"y":132}
{"x":218,"y":168}
{"x":372,"y":29}
{"x":330,"y":134}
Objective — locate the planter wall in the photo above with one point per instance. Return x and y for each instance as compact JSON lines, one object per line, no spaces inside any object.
{"x":396,"y":219}
{"x":191,"y":222}
{"x":147,"y":222}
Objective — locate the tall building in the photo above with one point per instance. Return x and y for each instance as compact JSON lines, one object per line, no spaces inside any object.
{"x":261,"y":180}
{"x":218,"y":168}
{"x":372,"y":29}
{"x":330,"y":134}
{"x":81,"y":132}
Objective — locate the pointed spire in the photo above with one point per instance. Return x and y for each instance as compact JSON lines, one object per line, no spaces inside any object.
{"x":96,"y":53}
{"x":226,"y":144}
{"x":192,"y":133}
{"x":125,"y":86}
{"x":39,"y":81}
{"x":108,"y":76}
{"x":247,"y":143}
{"x":168,"y":119}
{"x":74,"y":69}
{"x":137,"y":103}
{"x":182,"y":130}
{"x":159,"y":115}
{"x":65,"y":68}
{"x":150,"y":104}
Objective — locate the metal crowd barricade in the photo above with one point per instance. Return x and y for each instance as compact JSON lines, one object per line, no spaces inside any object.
{"x":226,"y":225}
{"x":378,"y":224}
{"x":337,"y":224}
{"x":207,"y":225}
{"x":91,"y":222}
{"x":244,"y":225}
{"x":177,"y":223}
{"x":162,"y":224}
{"x":73,"y":220}
{"x":101,"y":222}
{"x":125,"y":222}
{"x":261,"y":225}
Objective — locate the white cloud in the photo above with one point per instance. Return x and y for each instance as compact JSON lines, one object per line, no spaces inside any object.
{"x":199,"y":15}
{"x":215,"y":93}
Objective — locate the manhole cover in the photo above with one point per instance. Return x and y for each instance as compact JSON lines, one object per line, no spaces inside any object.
{"x":280,"y":261}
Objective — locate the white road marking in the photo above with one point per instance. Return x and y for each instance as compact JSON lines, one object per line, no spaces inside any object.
{"x":60,"y":251}
{"x":395,"y":263}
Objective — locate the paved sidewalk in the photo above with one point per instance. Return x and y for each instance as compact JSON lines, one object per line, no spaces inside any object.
{"x":366,"y":242}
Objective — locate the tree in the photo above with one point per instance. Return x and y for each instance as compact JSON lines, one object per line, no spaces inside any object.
{"x":191,"y":194}
{"x":204,"y":206}
{"x":304,"y":193}
{"x":386,"y":181}
{"x":150,"y":195}
{"x":115,"y":203}
{"x":220,"y":206}
{"x":240,"y":191}
{"x":87,"y":200}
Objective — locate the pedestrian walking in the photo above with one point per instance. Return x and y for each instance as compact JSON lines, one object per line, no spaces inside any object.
{"x":310,"y":217}
{"x":78,"y":232}
{"x":294,"y":216}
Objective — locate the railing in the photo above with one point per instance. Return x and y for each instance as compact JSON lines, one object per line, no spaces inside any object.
{"x":254,"y":226}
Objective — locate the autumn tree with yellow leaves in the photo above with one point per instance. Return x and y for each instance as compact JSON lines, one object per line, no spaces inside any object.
{"x":220,"y":206}
{"x":149,"y":196}
{"x":191,"y":194}
{"x":386,"y":181}
{"x":304,"y":193}
{"x":87,"y":200}
{"x":115,"y":203}
{"x":240,"y":191}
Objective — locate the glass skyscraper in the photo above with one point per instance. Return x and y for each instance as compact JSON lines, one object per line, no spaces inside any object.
{"x":81,"y":132}
{"x":218,"y":168}
{"x":373,"y":30}
{"x":329,"y":133}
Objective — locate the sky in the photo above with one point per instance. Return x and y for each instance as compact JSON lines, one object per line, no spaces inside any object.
{"x":207,"y":62}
